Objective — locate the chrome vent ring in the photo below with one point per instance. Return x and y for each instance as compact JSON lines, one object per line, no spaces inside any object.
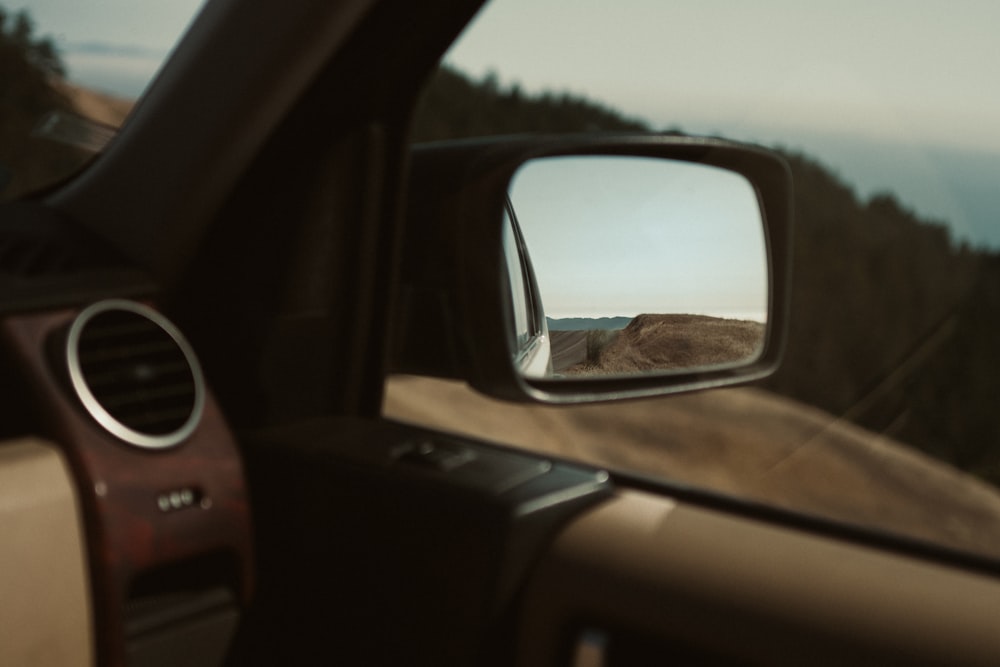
{"x":135,"y":373}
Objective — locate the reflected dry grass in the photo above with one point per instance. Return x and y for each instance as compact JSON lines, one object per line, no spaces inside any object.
{"x":670,"y":342}
{"x":746,"y":442}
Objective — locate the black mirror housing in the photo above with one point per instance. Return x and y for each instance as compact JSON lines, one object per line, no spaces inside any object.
{"x":453,"y":314}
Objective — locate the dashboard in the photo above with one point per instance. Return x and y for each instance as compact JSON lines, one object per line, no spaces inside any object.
{"x":122,"y":480}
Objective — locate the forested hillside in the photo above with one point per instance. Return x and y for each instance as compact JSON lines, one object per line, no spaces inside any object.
{"x":893,"y":325}
{"x":454,"y":106}
{"x":30,"y":69}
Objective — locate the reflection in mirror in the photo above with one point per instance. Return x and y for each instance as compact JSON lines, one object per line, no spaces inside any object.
{"x":643,"y":264}
{"x":529,"y":339}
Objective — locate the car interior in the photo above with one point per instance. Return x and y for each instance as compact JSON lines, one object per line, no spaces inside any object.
{"x":194,"y":465}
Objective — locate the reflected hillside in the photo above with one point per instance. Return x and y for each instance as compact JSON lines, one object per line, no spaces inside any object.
{"x":893,"y":322}
{"x":654,"y":342}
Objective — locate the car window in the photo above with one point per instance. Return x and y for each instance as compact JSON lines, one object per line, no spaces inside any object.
{"x":72,"y":71}
{"x":882,"y":414}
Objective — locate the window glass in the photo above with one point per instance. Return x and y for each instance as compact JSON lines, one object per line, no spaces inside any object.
{"x":883,"y":411}
{"x":72,"y":70}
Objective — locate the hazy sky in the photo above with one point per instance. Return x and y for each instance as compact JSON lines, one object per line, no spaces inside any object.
{"x":150,"y":24}
{"x":892,"y":94}
{"x":887,"y":69}
{"x":623,"y":236}
{"x":114,"y":45}
{"x":892,"y":69}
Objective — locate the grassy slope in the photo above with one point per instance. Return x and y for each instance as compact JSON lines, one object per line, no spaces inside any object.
{"x":658,"y":342}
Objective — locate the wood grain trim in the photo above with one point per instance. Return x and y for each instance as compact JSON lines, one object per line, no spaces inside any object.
{"x":120,"y":486}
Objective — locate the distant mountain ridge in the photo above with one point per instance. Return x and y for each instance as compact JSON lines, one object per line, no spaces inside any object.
{"x":586,"y":323}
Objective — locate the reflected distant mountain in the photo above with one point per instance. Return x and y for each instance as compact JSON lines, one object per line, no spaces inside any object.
{"x":586,"y":323}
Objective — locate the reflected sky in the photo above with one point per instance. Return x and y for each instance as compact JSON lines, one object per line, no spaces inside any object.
{"x":624,"y":236}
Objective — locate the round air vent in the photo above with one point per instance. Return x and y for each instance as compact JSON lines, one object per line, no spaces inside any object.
{"x":135,"y":373}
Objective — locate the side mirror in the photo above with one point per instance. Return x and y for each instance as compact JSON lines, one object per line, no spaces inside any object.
{"x":570,"y":269}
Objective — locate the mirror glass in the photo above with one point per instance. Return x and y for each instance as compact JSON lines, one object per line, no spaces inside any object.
{"x":641,"y":264}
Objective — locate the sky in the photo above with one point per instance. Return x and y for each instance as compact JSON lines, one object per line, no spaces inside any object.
{"x":113,"y":45}
{"x":892,"y":95}
{"x":611,"y":236}
{"x":890,"y":69}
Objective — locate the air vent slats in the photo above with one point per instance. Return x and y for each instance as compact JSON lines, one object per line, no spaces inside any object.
{"x":111,"y":350}
{"x":135,"y":373}
{"x":143,"y":396}
{"x":99,"y":379}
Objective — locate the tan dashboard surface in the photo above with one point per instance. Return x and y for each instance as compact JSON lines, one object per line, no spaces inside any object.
{"x":746,"y":592}
{"x":45,"y":614}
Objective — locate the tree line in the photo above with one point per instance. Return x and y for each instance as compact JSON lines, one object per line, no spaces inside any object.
{"x":30,"y":73}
